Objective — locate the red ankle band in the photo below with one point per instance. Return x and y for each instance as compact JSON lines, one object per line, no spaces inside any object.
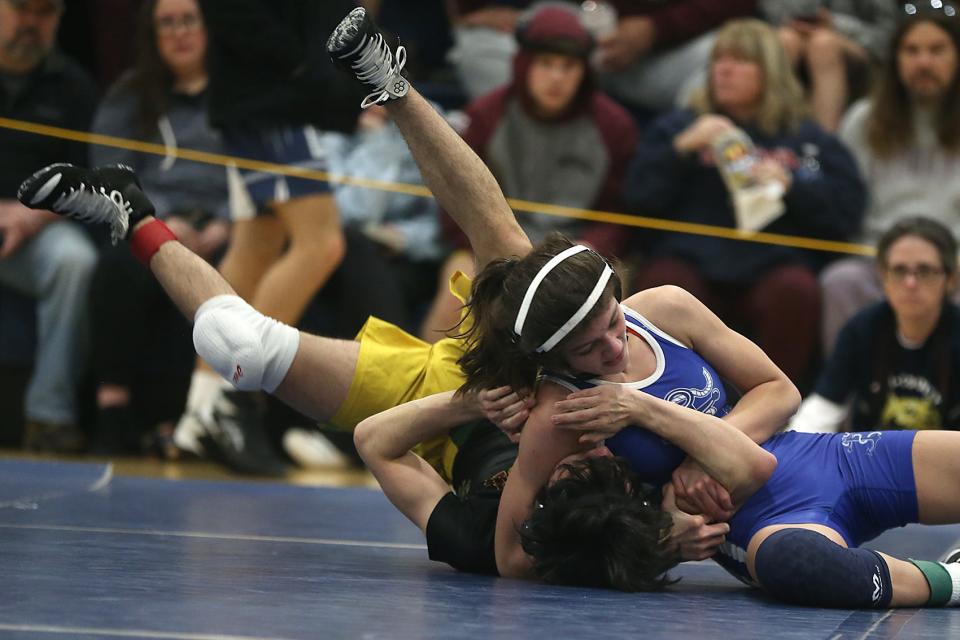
{"x":147,"y":239}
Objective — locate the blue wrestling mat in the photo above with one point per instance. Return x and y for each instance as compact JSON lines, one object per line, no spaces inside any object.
{"x":86,"y":556}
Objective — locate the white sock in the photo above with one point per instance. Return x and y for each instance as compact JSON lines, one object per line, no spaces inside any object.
{"x":953,"y":568}
{"x":205,"y":387}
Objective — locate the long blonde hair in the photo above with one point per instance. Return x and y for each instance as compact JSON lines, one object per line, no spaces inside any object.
{"x":782,"y":103}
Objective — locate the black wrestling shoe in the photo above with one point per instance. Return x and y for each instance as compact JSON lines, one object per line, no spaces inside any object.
{"x":107,"y":195}
{"x":357,"y":46}
{"x":235,"y":436}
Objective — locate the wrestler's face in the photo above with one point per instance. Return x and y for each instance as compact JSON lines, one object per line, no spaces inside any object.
{"x":914,"y":279}
{"x":181,"y":36}
{"x":553,"y":81}
{"x":561,"y":471}
{"x":600,"y":347}
{"x":927,"y":62}
{"x":27,"y":32}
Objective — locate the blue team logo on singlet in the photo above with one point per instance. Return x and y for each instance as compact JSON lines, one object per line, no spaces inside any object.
{"x":703,"y":399}
{"x":868,"y":440}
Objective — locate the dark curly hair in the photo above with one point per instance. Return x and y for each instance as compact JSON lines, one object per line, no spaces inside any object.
{"x":595,"y":527}
{"x":494,"y":355}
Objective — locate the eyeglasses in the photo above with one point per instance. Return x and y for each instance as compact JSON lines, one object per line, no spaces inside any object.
{"x":948,"y":9}
{"x":169,"y":24}
{"x":923,"y":274}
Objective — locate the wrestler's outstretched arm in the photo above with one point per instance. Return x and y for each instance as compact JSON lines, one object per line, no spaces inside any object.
{"x":385,"y":442}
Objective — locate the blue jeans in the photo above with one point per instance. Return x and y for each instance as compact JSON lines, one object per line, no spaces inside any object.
{"x":55,"y":268}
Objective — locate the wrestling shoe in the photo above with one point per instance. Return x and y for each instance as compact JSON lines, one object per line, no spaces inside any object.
{"x":358,"y":47}
{"x":235,"y":436}
{"x":106,"y":195}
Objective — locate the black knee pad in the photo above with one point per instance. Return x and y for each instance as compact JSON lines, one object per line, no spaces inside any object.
{"x":799,"y":566}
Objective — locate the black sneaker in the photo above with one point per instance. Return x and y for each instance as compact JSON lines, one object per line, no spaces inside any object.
{"x":235,"y":436}
{"x":357,"y":46}
{"x":49,"y":437}
{"x":109,"y":195}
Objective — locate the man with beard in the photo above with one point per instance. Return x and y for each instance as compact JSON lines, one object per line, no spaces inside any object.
{"x":41,"y":256}
{"x":906,"y":139}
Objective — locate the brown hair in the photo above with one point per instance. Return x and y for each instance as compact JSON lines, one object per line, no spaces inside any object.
{"x":926,"y":229}
{"x":890,"y":125}
{"x":495,"y":355}
{"x":782,"y":105}
{"x":150,"y":80}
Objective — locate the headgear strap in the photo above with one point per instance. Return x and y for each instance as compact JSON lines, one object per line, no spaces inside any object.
{"x":577,"y":317}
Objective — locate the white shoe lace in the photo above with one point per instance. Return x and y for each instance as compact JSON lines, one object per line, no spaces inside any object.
{"x":373,"y":67}
{"x":87,"y":203}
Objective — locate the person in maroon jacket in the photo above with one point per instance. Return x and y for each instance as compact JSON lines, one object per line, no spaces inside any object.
{"x":551,"y":136}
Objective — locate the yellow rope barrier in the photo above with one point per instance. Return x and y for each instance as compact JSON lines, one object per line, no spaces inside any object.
{"x":419,"y":190}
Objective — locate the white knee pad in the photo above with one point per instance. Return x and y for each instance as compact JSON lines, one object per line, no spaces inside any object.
{"x":244,"y":346}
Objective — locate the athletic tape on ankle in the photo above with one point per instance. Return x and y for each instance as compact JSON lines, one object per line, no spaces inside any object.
{"x":938,"y":578}
{"x":580,"y":313}
{"x":148,"y":239}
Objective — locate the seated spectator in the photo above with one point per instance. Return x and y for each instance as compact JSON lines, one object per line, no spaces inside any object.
{"x":832,"y":42}
{"x":897,"y":362}
{"x":142,"y":376}
{"x":656,"y":47}
{"x":42,"y":256}
{"x":906,"y":139}
{"x":483,"y":42}
{"x":394,"y":249}
{"x":768,"y":290}
{"x":550,"y":136}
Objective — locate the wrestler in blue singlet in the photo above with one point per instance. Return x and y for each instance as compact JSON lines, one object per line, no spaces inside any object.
{"x":681,"y":376}
{"x":859,"y":484}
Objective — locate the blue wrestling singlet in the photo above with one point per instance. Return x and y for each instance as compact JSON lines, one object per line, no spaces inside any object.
{"x":859,"y":484}
{"x":681,"y":376}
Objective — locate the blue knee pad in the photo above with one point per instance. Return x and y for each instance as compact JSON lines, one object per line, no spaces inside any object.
{"x":799,"y":566}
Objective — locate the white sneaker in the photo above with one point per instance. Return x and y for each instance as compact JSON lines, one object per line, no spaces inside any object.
{"x":188,"y":432}
{"x":312,"y":450}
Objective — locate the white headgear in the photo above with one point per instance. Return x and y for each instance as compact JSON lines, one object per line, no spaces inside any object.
{"x":578,"y":316}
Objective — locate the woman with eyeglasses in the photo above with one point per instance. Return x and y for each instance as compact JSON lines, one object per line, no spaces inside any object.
{"x":161,"y":100}
{"x":896,"y":363}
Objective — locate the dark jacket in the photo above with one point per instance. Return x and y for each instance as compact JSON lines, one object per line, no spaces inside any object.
{"x":826,"y":199}
{"x":58,"y":93}
{"x":890,"y":386}
{"x":269,"y":64}
{"x":677,"y":21}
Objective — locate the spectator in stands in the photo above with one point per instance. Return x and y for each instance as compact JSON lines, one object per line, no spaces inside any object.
{"x":484,"y":45}
{"x":656,"y":47}
{"x":769,"y":291}
{"x":906,"y":139}
{"x":43,"y":256}
{"x":273,"y":93}
{"x":832,"y":42}
{"x":393,"y":239}
{"x":897,"y":362}
{"x":142,"y":376}
{"x":551,"y":136}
